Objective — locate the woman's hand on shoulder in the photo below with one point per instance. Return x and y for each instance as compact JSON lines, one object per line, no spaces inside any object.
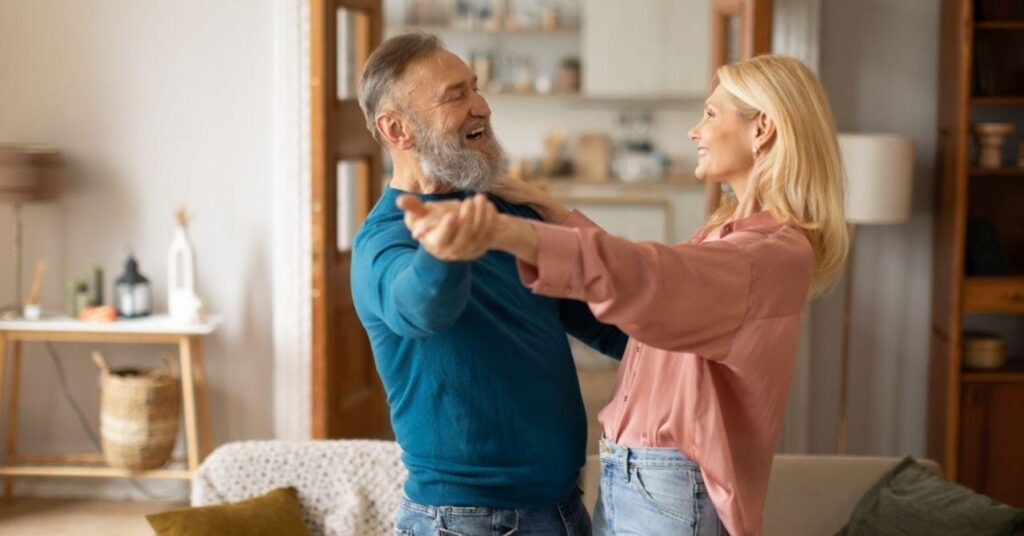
{"x":521,"y":192}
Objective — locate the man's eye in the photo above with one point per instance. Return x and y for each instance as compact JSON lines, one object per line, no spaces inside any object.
{"x":457,"y":96}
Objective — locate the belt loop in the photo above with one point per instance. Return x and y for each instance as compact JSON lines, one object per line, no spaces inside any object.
{"x":625,"y":462}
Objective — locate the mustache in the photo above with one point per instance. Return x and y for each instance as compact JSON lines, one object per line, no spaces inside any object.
{"x":474,"y":124}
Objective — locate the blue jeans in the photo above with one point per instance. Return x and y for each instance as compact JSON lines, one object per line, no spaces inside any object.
{"x":570,"y":518}
{"x":652,"y":491}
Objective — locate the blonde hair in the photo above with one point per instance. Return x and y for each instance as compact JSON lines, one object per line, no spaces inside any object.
{"x":799,"y":175}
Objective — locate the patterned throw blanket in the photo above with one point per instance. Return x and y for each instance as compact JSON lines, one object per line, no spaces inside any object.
{"x":348,"y":487}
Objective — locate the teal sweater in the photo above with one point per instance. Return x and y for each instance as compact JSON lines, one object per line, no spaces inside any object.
{"x":480,"y":381}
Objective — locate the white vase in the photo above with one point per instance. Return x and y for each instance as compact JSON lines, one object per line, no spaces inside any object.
{"x":182,"y":302}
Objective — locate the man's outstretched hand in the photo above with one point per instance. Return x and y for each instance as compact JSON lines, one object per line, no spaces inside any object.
{"x":451,"y":230}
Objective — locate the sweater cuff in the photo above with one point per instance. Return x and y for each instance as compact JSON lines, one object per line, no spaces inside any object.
{"x":559,"y":266}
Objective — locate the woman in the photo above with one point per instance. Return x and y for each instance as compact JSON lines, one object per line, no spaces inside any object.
{"x":713,"y":322}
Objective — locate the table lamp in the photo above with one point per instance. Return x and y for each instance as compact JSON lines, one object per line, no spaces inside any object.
{"x":28,"y":174}
{"x":879,"y":172}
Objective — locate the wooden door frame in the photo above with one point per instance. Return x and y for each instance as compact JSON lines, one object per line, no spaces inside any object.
{"x":332,"y":139}
{"x":755,"y":38}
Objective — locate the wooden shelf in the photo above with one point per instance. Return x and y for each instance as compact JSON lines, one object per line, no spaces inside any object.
{"x":1013,"y":372}
{"x":87,"y":465}
{"x":581,"y":99}
{"x":445,"y":29}
{"x":998,"y":295}
{"x":1006,"y":171}
{"x":998,"y":101}
{"x":649,"y":184}
{"x":93,"y":472}
{"x":999,"y":25}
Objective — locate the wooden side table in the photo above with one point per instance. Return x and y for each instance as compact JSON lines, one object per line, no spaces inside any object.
{"x":158,"y":329}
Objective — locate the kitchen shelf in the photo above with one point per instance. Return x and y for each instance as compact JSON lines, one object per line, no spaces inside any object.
{"x":998,"y":295}
{"x":644,"y":184}
{"x":581,"y":99}
{"x":445,"y":29}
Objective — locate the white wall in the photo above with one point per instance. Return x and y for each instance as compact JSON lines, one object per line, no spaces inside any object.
{"x":879,"y":64}
{"x":155,"y":104}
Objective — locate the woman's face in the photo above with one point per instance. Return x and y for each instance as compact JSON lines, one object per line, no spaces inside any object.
{"x":724,"y":140}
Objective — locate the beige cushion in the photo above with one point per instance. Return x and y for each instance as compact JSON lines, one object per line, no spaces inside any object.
{"x":816,"y":494}
{"x":806,"y":494}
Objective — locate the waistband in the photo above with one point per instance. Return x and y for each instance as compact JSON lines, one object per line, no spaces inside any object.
{"x":612,"y":452}
{"x":443,"y":511}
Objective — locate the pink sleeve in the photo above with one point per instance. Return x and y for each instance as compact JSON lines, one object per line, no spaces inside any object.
{"x":577,"y":219}
{"x":682,"y":298}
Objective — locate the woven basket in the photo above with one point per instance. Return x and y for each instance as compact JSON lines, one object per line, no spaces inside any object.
{"x":138,"y":415}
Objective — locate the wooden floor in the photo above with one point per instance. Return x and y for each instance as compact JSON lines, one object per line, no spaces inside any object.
{"x":74,"y":517}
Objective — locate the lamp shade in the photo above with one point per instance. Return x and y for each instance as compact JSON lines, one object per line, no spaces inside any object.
{"x":30,"y":173}
{"x":879,"y":175}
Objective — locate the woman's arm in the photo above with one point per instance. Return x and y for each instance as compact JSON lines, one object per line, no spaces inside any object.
{"x":687,"y":297}
{"x":521,"y":192}
{"x":517,"y":237}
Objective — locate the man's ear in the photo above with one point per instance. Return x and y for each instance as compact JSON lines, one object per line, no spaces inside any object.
{"x":396,"y":131}
{"x":765,"y":134}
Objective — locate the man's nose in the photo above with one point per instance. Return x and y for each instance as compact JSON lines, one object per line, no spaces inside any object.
{"x":479,"y":107}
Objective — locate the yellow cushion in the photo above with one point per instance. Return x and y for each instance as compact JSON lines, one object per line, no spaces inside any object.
{"x":274,"y":514}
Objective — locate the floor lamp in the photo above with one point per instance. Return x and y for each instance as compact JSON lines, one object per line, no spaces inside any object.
{"x":879,"y":174}
{"x":28,"y":174}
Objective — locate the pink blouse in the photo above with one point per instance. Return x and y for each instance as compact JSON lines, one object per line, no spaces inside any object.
{"x":714,"y":325}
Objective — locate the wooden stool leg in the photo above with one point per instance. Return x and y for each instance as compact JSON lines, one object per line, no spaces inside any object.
{"x":202,"y":404}
{"x":3,"y":385}
{"x":188,"y":401}
{"x":11,"y":453}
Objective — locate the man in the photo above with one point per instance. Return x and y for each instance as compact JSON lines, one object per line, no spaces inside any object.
{"x":479,"y":377}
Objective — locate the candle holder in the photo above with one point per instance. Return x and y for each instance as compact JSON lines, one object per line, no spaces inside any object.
{"x":991,"y":137}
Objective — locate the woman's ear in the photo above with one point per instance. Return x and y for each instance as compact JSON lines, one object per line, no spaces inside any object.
{"x":394,"y":130}
{"x":765,"y":134}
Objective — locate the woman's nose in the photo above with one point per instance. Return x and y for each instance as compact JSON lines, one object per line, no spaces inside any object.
{"x":694,"y":133}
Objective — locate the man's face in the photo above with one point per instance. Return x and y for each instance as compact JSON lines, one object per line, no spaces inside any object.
{"x":451,"y":124}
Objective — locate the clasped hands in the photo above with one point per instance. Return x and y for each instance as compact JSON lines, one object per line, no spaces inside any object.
{"x":452,"y":230}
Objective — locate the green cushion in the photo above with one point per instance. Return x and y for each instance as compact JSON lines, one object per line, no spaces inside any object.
{"x":910,"y":500}
{"x":274,"y":514}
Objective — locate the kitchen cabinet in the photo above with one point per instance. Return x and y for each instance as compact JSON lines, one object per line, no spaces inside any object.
{"x":645,"y":48}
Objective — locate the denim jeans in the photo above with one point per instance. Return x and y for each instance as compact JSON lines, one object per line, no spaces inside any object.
{"x":570,"y":518}
{"x":652,"y":492}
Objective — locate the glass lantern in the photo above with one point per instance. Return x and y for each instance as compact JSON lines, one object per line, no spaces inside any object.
{"x":132,"y":294}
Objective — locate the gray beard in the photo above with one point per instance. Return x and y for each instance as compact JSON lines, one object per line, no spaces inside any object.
{"x":449,"y":160}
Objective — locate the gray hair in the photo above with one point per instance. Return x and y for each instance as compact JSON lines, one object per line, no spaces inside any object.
{"x":385,"y":68}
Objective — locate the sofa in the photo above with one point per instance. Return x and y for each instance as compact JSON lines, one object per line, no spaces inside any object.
{"x":352,"y":487}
